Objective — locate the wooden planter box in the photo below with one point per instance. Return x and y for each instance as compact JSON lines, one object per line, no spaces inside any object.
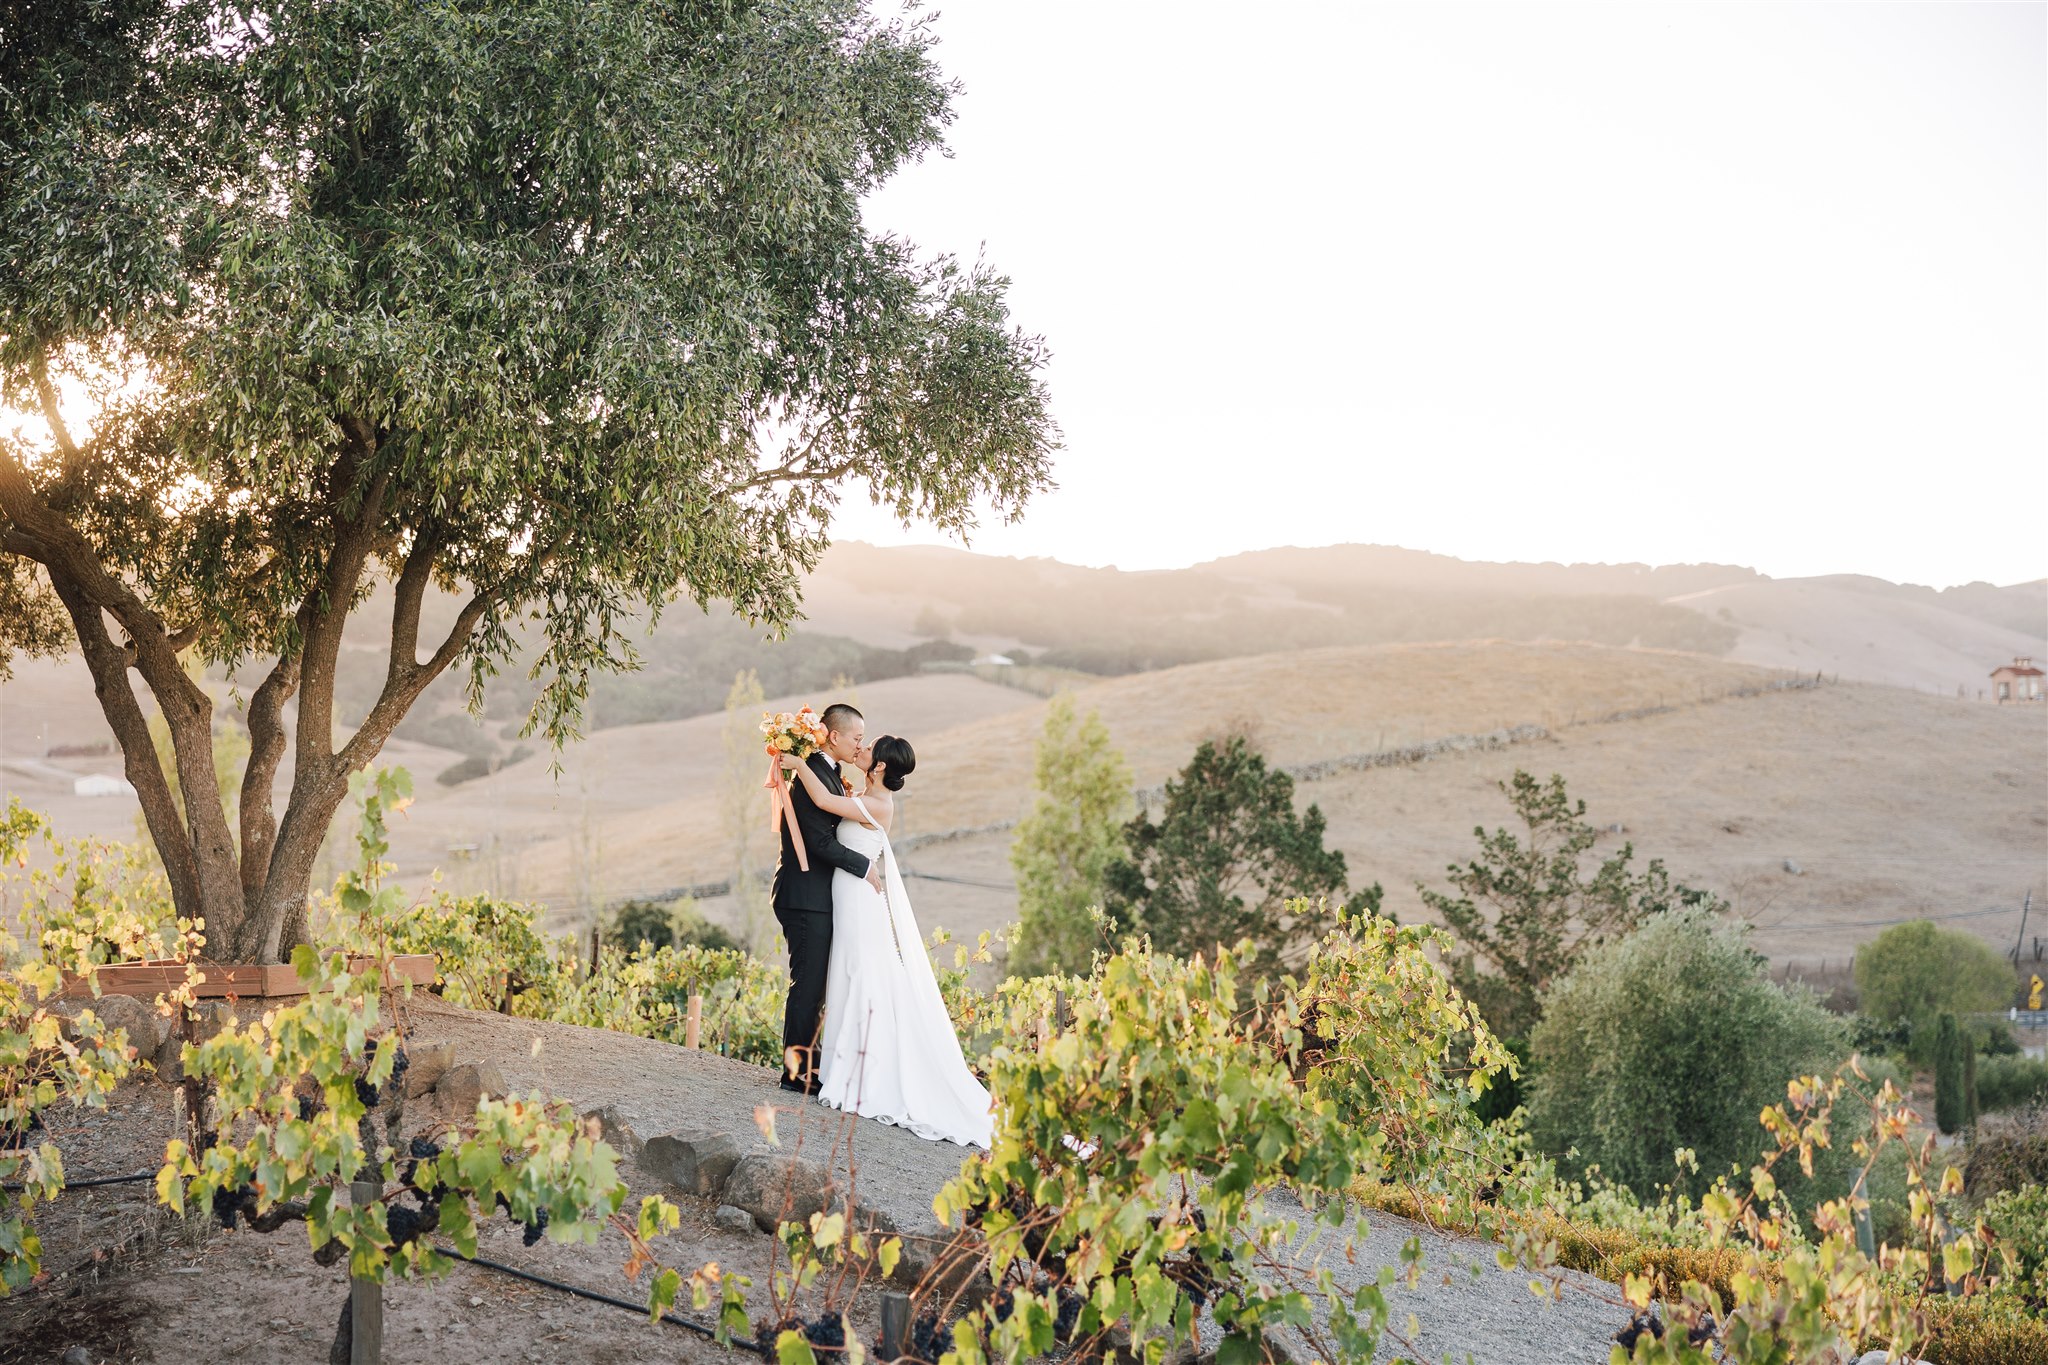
{"x":245,"y":980}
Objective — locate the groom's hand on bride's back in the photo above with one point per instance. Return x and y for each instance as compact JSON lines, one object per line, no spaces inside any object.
{"x":874,"y":877}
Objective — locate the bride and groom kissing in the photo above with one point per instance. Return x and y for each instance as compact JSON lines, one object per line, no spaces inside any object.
{"x":864,"y":1027}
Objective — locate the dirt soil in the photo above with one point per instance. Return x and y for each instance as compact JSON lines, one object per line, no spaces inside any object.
{"x":128,"y":1282}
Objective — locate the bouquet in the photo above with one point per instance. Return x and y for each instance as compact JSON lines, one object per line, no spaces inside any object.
{"x":799,"y":734}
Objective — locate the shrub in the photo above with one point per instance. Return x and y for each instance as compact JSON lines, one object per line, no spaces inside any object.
{"x":1673,"y":1037}
{"x":664,"y":924}
{"x":2011,"y":1150}
{"x":2020,"y":1220}
{"x":488,"y":952}
{"x":1526,"y":910}
{"x":1916,"y":971}
{"x":1983,"y":1331}
{"x":2010,"y":1081}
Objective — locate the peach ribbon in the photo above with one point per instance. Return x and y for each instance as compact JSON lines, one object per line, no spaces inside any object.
{"x":780,"y":807}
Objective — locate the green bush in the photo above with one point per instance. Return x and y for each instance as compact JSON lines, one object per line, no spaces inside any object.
{"x":664,"y":924}
{"x":488,"y":952}
{"x":2008,"y":1082}
{"x":1674,"y":1037}
{"x":2019,"y":1219}
{"x":1916,"y":971}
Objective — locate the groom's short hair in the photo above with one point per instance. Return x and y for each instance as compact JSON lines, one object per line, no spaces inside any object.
{"x":837,"y":714}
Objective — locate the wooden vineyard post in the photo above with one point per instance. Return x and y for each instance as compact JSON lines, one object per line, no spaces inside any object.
{"x":693,"y":1020}
{"x":1865,"y":1242}
{"x":895,"y":1325}
{"x":366,"y":1297}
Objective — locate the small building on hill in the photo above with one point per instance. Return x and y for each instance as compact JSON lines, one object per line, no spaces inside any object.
{"x":2017,"y":681}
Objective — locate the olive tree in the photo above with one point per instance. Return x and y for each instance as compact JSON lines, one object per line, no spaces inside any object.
{"x":519,"y":316}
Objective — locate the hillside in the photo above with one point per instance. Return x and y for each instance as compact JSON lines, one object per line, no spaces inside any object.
{"x":1875,"y":632}
{"x":1890,"y":804}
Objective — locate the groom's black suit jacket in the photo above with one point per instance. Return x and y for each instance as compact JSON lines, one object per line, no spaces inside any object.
{"x":796,"y":889}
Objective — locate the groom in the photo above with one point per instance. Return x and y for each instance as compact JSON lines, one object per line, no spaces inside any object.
{"x":803,"y":900}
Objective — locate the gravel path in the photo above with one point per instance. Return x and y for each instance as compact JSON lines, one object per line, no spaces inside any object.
{"x":1465,"y":1304}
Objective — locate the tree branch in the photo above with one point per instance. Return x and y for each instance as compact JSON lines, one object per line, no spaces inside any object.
{"x":46,"y":394}
{"x":138,"y":750}
{"x":87,"y":588}
{"x":266,"y":751}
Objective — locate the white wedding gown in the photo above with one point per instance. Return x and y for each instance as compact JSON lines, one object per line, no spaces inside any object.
{"x":886,"y":1047}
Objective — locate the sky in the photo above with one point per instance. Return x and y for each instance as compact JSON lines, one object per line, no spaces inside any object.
{"x":1762,"y":284}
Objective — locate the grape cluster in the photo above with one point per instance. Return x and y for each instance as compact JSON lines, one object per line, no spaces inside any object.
{"x":228,"y":1203}
{"x":927,"y":1342}
{"x":535,"y":1228}
{"x":408,"y":1224}
{"x":1642,"y":1324}
{"x":1069,"y":1315}
{"x":827,"y":1331}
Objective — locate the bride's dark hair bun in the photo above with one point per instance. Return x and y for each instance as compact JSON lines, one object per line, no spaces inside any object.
{"x":894,"y":753}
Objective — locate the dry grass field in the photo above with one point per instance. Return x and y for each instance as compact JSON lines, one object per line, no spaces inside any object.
{"x":1891,"y":803}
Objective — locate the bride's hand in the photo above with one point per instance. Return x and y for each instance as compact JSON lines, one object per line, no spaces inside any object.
{"x":790,"y":763}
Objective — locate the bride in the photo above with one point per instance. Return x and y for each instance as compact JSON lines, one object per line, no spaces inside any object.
{"x":886,"y":1047}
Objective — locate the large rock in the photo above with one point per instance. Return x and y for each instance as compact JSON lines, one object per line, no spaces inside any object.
{"x":208,"y":1018}
{"x":615,"y":1130}
{"x":772,"y":1187}
{"x":138,"y":1018}
{"x":694,"y":1162}
{"x":462,"y":1086}
{"x":425,"y":1065}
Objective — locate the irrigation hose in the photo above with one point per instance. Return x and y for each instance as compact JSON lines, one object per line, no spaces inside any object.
{"x":16,"y":1186}
{"x":578,"y":1291}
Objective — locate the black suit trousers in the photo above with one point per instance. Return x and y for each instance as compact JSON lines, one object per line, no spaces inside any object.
{"x":809,"y":934}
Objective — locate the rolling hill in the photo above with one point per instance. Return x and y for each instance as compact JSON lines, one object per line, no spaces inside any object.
{"x":1889,"y":802}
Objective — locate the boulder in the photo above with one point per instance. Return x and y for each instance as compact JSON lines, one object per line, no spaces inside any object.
{"x":772,"y":1187}
{"x":145,"y":1027}
{"x":732,"y":1218}
{"x":460,"y":1087}
{"x":694,"y":1162}
{"x":425,"y":1065}
{"x":208,"y":1018}
{"x":613,"y":1128}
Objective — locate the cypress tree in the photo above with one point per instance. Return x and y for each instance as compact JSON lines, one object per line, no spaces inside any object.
{"x":1948,"y":1075}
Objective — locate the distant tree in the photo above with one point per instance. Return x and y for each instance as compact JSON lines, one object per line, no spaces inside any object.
{"x":537,"y":311}
{"x":932,"y":623}
{"x":1065,"y":846}
{"x":1915,"y":972}
{"x":1227,"y":856}
{"x":1673,"y":1036}
{"x":1526,"y":911}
